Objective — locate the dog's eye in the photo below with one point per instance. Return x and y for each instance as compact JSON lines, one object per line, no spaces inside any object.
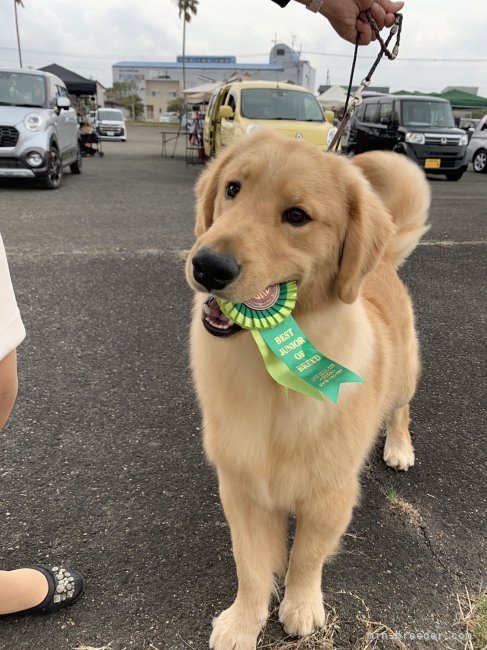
{"x":232,"y":190}
{"x":295,"y":217}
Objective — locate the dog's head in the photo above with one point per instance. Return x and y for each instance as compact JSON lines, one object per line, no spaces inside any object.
{"x":271,"y":210}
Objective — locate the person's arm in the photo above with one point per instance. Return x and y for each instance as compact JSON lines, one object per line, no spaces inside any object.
{"x":12,"y":333}
{"x":8,"y":386}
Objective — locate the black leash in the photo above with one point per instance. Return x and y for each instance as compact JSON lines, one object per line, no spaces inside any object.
{"x":356,"y":100}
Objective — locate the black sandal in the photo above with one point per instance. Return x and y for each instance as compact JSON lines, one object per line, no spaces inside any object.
{"x":65,"y":587}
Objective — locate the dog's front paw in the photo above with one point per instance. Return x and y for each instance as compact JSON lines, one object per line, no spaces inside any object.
{"x":399,"y":457}
{"x":232,"y":631}
{"x":301,"y":616}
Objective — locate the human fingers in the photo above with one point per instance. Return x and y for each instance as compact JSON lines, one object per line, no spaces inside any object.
{"x":389,"y":20}
{"x":391,"y":7}
{"x":366,"y":35}
{"x":378,"y":14}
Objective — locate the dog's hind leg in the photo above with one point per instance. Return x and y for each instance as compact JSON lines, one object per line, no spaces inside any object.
{"x":320,"y":525}
{"x":398,"y":449}
{"x":259,"y":549}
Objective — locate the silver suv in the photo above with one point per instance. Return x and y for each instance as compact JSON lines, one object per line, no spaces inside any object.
{"x":38,"y":128}
{"x":477,"y":147}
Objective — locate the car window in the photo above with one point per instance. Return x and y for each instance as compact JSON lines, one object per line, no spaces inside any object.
{"x":232,"y":102}
{"x":385,"y":112}
{"x":370,"y":112}
{"x":427,"y":114}
{"x":19,"y":89}
{"x":110,"y":114}
{"x":61,"y":91}
{"x":280,"y":104}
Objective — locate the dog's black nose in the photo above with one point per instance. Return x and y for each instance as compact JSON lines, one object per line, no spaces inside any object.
{"x":214,"y":270}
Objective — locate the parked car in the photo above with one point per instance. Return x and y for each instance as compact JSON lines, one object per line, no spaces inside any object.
{"x":419,"y":127}
{"x":238,"y":107}
{"x":38,"y":128}
{"x":477,"y":147}
{"x":110,"y":124}
{"x":468,"y":124}
{"x":169,"y":117}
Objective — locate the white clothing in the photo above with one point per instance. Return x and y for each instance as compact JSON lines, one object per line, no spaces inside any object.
{"x":12,"y":331}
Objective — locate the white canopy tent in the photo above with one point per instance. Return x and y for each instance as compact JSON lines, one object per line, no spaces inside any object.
{"x":333,"y":99}
{"x":201,"y":93}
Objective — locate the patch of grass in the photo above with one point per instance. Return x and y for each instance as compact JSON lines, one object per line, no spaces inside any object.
{"x":473,"y":618}
{"x":402,"y":506}
{"x":183,"y":254}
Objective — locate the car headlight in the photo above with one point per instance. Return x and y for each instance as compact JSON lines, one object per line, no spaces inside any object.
{"x":330,"y":135}
{"x":463,"y":139}
{"x":415,"y":138}
{"x":33,"y":122}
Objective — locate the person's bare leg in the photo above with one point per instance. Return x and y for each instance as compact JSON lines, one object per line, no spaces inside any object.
{"x":21,"y":589}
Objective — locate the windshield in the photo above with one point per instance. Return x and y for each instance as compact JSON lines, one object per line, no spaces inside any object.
{"x":115,"y":116}
{"x":276,"y":104}
{"x":18,"y":89}
{"x":424,"y":114}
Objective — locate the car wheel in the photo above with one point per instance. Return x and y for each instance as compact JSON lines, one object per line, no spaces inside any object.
{"x":454,"y":176}
{"x":54,"y":175}
{"x":77,"y":166}
{"x":479,"y":161}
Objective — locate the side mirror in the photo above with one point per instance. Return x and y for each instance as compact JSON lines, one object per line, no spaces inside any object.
{"x":226,"y":112}
{"x":63,"y":103}
{"x":330,"y":116}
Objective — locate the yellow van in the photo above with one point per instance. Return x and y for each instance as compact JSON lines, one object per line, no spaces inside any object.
{"x":238,"y":107}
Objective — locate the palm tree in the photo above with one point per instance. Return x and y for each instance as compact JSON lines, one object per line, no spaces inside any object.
{"x":187,"y":9}
{"x":18,"y":2}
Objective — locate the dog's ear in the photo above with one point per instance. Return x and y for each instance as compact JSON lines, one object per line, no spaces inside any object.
{"x":206,"y":190}
{"x":369,"y":230}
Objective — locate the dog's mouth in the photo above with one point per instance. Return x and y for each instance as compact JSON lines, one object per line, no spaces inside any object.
{"x":215,"y":321}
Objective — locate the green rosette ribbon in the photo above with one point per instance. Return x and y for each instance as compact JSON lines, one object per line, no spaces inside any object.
{"x":290,"y":358}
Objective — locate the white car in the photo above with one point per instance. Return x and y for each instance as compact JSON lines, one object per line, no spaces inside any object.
{"x":477,"y":147}
{"x":169,"y":117}
{"x":110,"y":124}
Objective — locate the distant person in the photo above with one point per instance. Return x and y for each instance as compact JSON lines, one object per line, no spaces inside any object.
{"x":347,"y":17}
{"x":38,"y":588}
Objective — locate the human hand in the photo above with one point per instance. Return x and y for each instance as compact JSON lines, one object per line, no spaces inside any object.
{"x":348,"y":18}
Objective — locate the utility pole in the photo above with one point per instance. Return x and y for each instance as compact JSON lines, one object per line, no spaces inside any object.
{"x":16,"y":2}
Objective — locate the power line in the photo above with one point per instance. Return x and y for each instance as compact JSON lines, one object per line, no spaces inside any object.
{"x":401,"y":58}
{"x":248,"y":54}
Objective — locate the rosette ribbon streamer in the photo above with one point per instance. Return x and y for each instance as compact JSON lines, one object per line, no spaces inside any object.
{"x":290,"y":358}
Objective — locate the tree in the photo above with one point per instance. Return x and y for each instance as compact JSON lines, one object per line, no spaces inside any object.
{"x":124,"y":94}
{"x":176,"y":105}
{"x":18,"y":2}
{"x":187,"y":9}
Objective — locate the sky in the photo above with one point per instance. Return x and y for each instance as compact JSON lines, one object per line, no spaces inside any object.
{"x":443,"y":41}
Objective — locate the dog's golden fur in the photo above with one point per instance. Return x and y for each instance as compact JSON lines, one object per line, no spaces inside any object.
{"x":279,"y":452}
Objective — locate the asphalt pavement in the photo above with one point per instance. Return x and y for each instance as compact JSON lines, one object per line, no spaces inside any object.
{"x":101,"y":466}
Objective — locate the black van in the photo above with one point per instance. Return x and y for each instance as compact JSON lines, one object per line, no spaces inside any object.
{"x":421,"y":127}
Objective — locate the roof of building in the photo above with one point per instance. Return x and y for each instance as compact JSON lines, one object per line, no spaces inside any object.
{"x":198,"y":66}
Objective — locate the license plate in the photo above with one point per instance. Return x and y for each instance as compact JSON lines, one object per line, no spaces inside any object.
{"x":432,"y":163}
{"x":113,"y":133}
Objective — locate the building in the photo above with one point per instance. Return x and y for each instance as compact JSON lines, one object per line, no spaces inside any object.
{"x":161,"y":81}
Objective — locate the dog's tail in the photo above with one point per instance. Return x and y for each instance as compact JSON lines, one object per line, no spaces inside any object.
{"x":405,"y":192}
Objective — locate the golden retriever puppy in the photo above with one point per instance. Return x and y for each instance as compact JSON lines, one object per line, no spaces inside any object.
{"x":272,"y":210}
